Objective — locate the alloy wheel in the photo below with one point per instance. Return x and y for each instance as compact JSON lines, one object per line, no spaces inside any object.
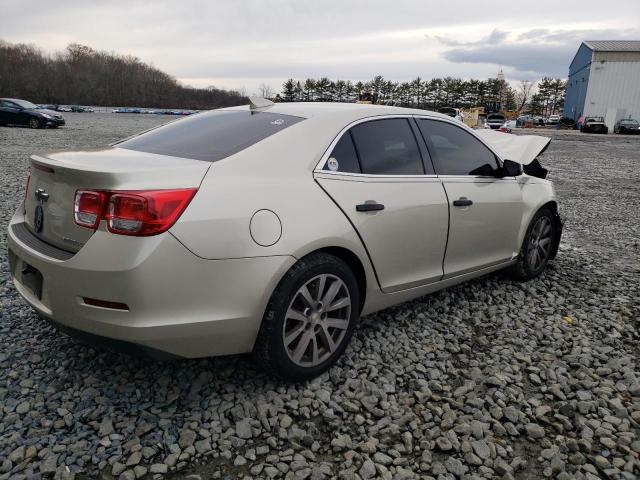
{"x":34,"y":123}
{"x":317,"y":320}
{"x":540,"y":243}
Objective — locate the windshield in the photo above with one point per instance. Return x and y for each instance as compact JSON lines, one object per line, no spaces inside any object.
{"x":630,"y":122}
{"x":210,"y":136}
{"x":24,"y":104}
{"x":595,"y":119}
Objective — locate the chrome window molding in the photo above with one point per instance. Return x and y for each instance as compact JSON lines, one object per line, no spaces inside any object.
{"x":325,"y":156}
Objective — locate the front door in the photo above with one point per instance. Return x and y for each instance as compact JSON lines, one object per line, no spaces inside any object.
{"x":485,"y":211}
{"x":376,"y":174}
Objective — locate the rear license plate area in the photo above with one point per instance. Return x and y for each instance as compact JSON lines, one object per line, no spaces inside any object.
{"x":31,"y":278}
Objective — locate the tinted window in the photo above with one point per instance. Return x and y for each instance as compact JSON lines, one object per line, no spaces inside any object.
{"x":457,"y":152}
{"x":211,"y":136}
{"x":25,"y":104}
{"x":387,"y":147}
{"x":343,"y":158}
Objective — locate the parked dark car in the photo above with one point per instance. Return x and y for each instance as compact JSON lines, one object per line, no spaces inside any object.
{"x":14,"y":111}
{"x":566,"y":123}
{"x":628,"y":126}
{"x":594,"y":125}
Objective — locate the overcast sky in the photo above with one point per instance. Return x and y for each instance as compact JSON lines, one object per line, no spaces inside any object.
{"x":243,"y":43}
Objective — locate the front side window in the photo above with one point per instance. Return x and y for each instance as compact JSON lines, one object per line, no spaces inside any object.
{"x":457,"y":152}
{"x":387,"y":147}
{"x":210,"y":136}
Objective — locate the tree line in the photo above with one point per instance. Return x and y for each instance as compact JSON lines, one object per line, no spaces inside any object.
{"x":81,"y":75}
{"x":545,"y":97}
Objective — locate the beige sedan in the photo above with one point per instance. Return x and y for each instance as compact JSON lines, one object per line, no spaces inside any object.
{"x":272,"y":228}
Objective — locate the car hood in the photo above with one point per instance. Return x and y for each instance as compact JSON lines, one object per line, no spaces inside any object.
{"x":523,"y":149}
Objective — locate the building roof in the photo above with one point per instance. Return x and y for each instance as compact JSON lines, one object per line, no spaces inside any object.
{"x":613,"y":45}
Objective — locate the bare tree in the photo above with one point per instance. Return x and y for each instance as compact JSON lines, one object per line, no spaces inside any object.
{"x":83,"y":76}
{"x":523,"y":93}
{"x":266,"y":91}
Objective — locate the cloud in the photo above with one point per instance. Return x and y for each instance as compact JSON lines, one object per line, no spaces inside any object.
{"x":532,"y":53}
{"x":496,"y":36}
{"x":243,"y":43}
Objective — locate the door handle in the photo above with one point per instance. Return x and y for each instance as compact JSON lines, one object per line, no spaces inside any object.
{"x":369,"y":206}
{"x":462,"y":202}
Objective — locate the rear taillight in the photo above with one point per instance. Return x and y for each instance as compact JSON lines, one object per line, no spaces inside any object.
{"x":140,"y":212}
{"x":88,"y":207}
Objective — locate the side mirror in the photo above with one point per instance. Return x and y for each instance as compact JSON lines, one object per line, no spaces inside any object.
{"x":510,"y":169}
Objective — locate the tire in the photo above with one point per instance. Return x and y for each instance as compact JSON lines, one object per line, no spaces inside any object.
{"x":34,"y":123}
{"x":288,"y":314}
{"x":529,"y":264}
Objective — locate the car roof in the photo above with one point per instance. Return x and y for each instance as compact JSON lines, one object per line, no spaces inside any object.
{"x":328,"y":109}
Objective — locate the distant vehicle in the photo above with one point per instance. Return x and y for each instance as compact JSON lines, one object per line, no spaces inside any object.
{"x":566,"y":123}
{"x":80,"y":109}
{"x":494,"y":121}
{"x":594,"y":125}
{"x":538,"y":122}
{"x":453,"y":113}
{"x":492,"y":107}
{"x":553,"y":119}
{"x":126,"y":110}
{"x":64,"y":108}
{"x":14,"y":111}
{"x":508,"y":126}
{"x":628,"y":126}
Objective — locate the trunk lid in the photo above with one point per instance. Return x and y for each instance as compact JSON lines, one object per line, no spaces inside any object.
{"x":55,"y":177}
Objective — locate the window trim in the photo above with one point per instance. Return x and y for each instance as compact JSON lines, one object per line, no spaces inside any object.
{"x":325,"y":156}
{"x":323,"y":160}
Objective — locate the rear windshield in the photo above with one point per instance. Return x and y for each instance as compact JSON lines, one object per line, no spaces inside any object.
{"x":210,"y":136}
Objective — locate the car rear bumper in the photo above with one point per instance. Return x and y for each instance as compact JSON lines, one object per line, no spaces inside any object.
{"x":177,"y":304}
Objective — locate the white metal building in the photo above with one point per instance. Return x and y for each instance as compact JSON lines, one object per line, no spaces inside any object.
{"x":604,"y":80}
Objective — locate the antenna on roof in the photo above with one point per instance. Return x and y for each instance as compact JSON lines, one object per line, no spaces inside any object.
{"x":256,"y":103}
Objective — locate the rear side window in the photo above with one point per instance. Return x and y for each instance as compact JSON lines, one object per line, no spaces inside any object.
{"x":457,"y":152}
{"x":343,"y":158}
{"x":211,"y":136}
{"x":387,"y":147}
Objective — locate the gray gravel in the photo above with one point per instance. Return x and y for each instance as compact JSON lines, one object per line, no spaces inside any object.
{"x":491,"y":379}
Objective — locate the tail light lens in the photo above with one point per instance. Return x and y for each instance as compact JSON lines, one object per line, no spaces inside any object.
{"x":88,"y":207}
{"x":139,"y":213}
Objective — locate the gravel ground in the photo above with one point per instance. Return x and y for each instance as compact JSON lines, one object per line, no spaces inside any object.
{"x":491,"y":379}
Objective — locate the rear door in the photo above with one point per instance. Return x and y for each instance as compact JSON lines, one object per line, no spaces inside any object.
{"x":485,"y":211}
{"x":379,"y":174}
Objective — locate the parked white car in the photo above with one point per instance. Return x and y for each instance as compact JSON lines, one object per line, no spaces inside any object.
{"x":272,"y":229}
{"x":453,"y":113}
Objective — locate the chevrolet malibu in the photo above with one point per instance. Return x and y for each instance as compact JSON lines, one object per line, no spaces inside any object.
{"x":271,"y":228}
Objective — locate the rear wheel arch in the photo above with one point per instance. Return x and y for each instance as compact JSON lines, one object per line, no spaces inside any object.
{"x":354,"y":263}
{"x":269,"y":348}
